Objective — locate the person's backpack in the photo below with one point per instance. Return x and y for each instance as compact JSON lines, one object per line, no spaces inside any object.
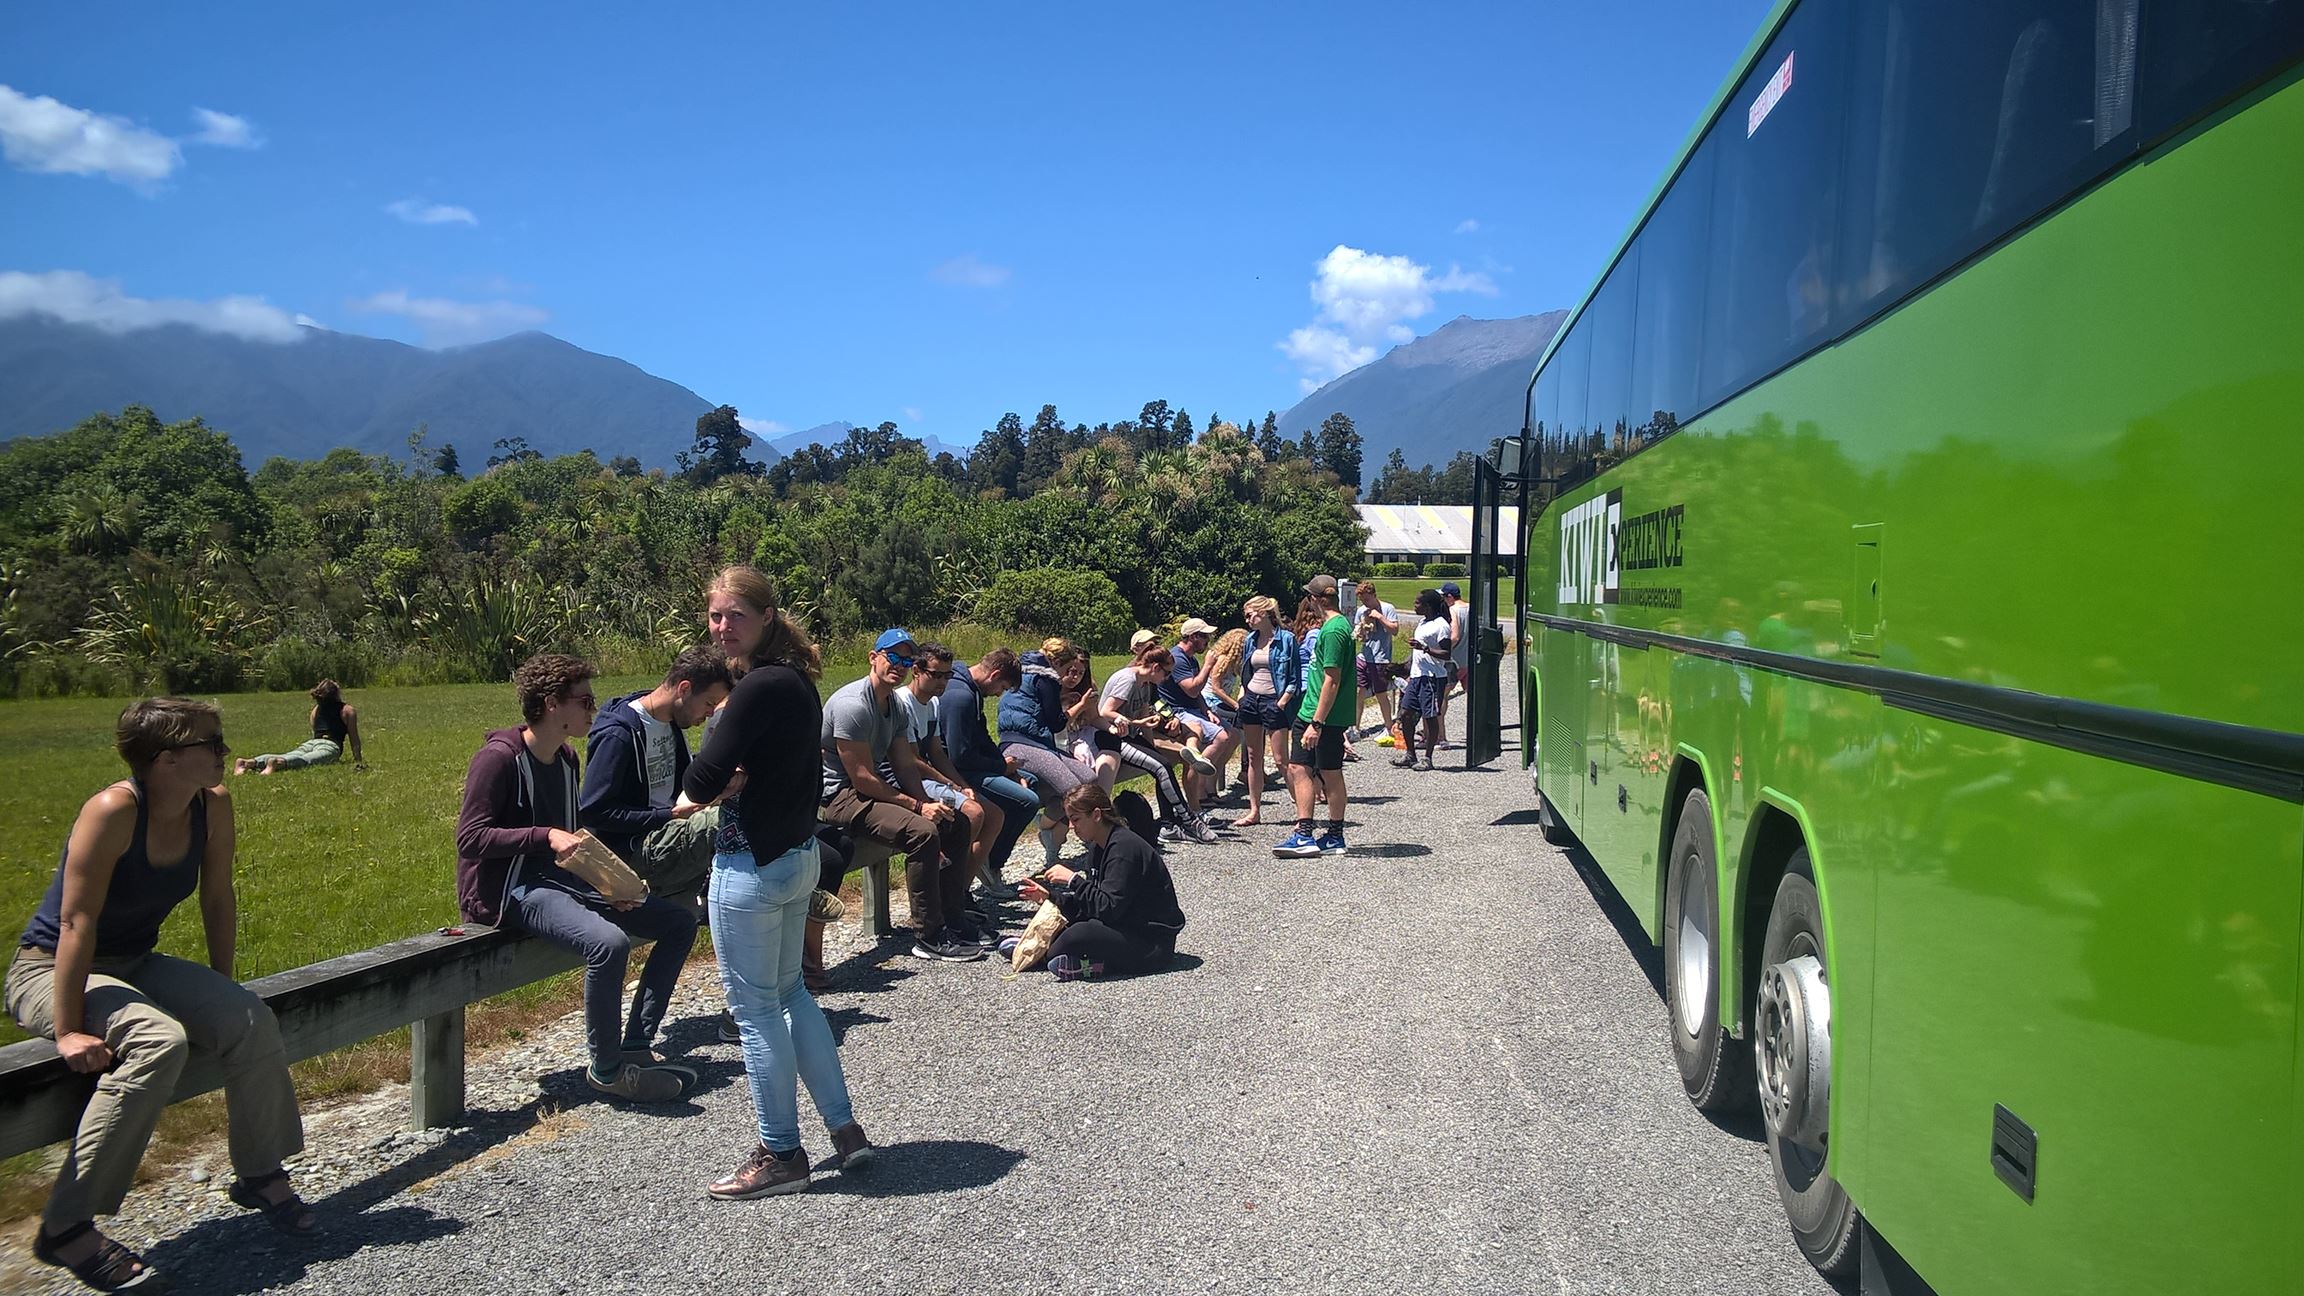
{"x":1136,"y":812}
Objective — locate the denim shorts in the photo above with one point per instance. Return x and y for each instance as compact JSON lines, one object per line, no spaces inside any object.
{"x":1262,"y":710}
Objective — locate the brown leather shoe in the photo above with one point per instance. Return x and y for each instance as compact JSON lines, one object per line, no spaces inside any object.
{"x":764,"y":1174}
{"x":851,"y":1150}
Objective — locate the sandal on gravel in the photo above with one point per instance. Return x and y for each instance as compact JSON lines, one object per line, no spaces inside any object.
{"x":289,"y":1215}
{"x":110,"y":1267}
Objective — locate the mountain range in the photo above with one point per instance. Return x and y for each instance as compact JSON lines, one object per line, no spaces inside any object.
{"x":1452,"y":390}
{"x":1456,"y":388}
{"x":328,"y":389}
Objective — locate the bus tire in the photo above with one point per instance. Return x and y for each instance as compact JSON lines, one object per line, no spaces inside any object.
{"x":1711,"y":1067}
{"x":1824,"y":1220}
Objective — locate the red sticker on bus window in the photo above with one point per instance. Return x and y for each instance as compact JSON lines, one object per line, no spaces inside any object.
{"x":1769,"y":95}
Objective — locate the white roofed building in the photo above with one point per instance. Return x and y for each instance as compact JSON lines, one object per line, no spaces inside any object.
{"x":1423,"y":533}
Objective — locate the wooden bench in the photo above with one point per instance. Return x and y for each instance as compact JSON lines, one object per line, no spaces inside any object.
{"x":424,"y":982}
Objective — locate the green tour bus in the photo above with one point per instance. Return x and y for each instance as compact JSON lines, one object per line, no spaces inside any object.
{"x":1911,"y":628}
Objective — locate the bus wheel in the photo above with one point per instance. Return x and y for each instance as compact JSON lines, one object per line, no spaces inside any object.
{"x":1792,"y":1029}
{"x":1710,"y":1069}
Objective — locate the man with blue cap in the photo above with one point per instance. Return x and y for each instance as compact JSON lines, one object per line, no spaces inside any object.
{"x":864,"y":729}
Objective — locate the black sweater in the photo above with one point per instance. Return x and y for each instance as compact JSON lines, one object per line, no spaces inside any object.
{"x":773,"y":730}
{"x":1126,"y":886}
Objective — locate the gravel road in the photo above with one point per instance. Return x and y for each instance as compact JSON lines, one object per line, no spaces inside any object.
{"x":1435,"y":1065}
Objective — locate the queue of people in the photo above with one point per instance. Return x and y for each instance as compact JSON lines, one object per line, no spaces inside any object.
{"x":752,"y":832}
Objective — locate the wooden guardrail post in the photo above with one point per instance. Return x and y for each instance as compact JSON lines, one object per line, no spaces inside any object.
{"x":872,"y":857}
{"x":436,"y":1070}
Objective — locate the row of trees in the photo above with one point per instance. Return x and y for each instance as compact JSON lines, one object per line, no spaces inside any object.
{"x":138,"y":554}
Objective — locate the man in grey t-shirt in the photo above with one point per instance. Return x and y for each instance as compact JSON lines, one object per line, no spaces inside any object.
{"x":1373,"y":624}
{"x":863,"y":728}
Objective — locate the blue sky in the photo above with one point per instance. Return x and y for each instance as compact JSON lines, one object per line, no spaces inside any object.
{"x":926,"y":213}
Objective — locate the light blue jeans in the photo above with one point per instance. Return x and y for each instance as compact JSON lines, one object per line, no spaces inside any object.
{"x":759,"y":921}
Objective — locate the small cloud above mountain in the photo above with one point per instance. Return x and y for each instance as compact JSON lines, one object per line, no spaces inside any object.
{"x":970,"y":271}
{"x":1365,"y":301}
{"x":223,"y":130}
{"x":416,"y":211}
{"x":445,"y":322}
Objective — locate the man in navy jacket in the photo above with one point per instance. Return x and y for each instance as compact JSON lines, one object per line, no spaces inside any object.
{"x":635,"y":757}
{"x":976,"y":757}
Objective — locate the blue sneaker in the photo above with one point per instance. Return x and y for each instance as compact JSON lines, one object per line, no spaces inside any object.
{"x":1297,"y":845}
{"x":1331,"y":844}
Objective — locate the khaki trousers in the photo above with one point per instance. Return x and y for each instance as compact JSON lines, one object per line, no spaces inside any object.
{"x":151,"y":1011}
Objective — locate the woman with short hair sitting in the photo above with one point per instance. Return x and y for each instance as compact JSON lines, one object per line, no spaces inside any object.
{"x":1121,"y":908}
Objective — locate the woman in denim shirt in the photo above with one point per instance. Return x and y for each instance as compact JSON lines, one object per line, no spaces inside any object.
{"x":1272,"y":672}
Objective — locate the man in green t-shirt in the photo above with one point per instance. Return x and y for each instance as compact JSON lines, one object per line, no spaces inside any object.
{"x":1316,"y":750}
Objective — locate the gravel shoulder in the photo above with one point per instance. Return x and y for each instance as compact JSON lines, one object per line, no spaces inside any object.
{"x":1433,"y":1065}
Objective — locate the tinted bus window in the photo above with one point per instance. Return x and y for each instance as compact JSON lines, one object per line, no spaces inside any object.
{"x":1967,"y":118}
{"x":1564,"y":449}
{"x":2198,"y":53}
{"x":1776,"y":158}
{"x":1668,"y":317}
{"x":1608,"y":393}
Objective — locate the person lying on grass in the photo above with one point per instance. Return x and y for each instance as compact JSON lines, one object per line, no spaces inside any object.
{"x":335,"y":725}
{"x":88,"y":975}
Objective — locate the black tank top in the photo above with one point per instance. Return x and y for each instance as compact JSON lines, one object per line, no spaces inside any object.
{"x":328,"y":721}
{"x":140,"y":897}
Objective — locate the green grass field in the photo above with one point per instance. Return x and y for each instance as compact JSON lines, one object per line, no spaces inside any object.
{"x":1401,"y":591}
{"x":331,"y":860}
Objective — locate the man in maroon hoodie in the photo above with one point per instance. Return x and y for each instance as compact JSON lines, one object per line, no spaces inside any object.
{"x":518,"y":821}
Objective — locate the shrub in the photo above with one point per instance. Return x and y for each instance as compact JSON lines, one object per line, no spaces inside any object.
{"x":1396,"y":569}
{"x":294,"y":662}
{"x":1443,"y":569}
{"x":1082,"y":605}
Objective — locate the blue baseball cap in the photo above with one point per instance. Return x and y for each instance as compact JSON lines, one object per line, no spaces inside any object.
{"x":1452,"y":590}
{"x":891,"y":637}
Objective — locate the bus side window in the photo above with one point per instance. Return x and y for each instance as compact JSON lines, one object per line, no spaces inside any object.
{"x":1967,"y":118}
{"x":2199,"y":53}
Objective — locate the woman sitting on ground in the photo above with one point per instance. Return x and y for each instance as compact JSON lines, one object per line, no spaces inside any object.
{"x":1427,"y":678}
{"x":87,"y":975}
{"x":1121,"y":906}
{"x":334,"y":724}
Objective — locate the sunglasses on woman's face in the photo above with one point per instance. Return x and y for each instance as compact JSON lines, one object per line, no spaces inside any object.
{"x":216,"y":741}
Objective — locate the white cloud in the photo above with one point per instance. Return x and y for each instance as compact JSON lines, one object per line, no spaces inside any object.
{"x":1365,"y":300}
{"x":305,"y":321}
{"x":911,"y":414}
{"x":762,"y":428}
{"x":1468,"y":226}
{"x":416,"y":211}
{"x":77,"y":298}
{"x":223,"y":130}
{"x":970,"y":271}
{"x":38,"y":133}
{"x":446,"y":323}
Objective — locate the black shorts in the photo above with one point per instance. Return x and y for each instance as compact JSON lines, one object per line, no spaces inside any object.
{"x":1329,"y":755}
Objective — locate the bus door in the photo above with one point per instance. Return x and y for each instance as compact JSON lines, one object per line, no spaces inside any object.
{"x":1483,"y":698}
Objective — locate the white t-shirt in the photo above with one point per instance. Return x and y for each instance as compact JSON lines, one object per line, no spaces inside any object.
{"x":1428,"y":636}
{"x":1459,"y":619}
{"x":661,"y":745}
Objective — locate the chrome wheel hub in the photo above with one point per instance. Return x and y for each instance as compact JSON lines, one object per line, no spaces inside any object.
{"x":1795,"y":1050}
{"x":1693,"y":967}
